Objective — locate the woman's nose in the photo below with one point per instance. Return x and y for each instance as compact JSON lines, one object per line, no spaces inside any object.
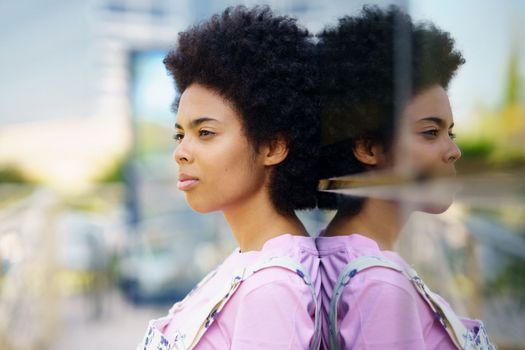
{"x":453,"y":152}
{"x":182,"y":154}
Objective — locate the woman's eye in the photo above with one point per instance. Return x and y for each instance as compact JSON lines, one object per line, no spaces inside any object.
{"x":430,"y":133}
{"x":178,"y":137}
{"x":205,"y":133}
{"x":452,"y":135}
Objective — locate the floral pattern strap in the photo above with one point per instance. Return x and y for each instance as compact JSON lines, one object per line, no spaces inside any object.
{"x":463,"y":338}
{"x":189,"y":334}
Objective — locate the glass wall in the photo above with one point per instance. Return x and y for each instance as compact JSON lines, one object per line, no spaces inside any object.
{"x":95,"y":238}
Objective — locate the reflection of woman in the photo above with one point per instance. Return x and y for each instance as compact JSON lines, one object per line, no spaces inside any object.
{"x":371,"y":297}
{"x":246,"y":133}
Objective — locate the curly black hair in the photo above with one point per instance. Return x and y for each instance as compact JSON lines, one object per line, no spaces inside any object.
{"x":265,"y":66}
{"x":371,"y":66}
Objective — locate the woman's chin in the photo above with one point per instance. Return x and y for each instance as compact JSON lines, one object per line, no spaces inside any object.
{"x":429,"y":207}
{"x":199,"y":206}
{"x":434,"y":207}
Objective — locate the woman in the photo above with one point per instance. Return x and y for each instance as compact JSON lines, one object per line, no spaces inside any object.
{"x":246,"y":133}
{"x":380,"y":71}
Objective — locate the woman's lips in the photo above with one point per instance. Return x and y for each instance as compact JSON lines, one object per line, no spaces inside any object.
{"x":185,"y":183}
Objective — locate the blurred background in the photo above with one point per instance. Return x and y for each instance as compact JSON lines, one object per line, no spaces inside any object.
{"x":95,"y":239}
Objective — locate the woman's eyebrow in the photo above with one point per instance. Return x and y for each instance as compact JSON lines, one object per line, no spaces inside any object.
{"x":440,"y":122}
{"x":196,"y":122}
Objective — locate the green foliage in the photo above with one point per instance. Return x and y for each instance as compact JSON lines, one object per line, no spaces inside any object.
{"x":476,"y":148}
{"x":496,"y":139}
{"x":512,"y":89}
{"x":12,"y":174}
{"x":510,"y":281}
{"x":114,"y":173}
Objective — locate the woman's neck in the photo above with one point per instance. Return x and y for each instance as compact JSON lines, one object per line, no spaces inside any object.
{"x":256,"y":221}
{"x":379,"y":220}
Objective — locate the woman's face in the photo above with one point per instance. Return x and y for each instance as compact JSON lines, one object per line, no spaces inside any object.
{"x":218,"y":167}
{"x":425,"y":146}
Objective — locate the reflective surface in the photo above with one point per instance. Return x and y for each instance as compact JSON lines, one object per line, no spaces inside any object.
{"x":95,"y":239}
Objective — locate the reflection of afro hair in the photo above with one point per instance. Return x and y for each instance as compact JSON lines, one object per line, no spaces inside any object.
{"x":371,"y":65}
{"x":264,"y":65}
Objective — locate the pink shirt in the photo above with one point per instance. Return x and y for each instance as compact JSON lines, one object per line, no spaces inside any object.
{"x":379,"y":308}
{"x":273,"y":309}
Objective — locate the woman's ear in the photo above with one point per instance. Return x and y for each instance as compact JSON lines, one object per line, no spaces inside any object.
{"x":369,"y":152}
{"x":275,"y":151}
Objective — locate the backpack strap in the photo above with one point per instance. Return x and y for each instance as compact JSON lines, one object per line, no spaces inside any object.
{"x":189,"y":333}
{"x":180,"y":304}
{"x":289,"y":264}
{"x":458,"y":333}
{"x":350,"y":270}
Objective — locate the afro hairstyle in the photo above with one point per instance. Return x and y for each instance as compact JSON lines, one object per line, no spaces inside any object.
{"x":265,"y":65}
{"x":371,"y":65}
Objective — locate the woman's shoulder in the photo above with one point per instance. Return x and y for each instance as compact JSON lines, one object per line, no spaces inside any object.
{"x":340,"y":252}
{"x":283,"y":273}
{"x":391,"y":281}
{"x":290,"y":245}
